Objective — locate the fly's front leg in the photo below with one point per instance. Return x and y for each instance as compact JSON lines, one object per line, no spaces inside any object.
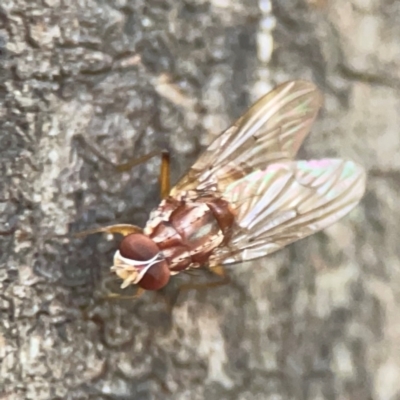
{"x":116,"y":296}
{"x":108,"y":294}
{"x":164,"y":178}
{"x":122,"y":229}
{"x":165,"y":173}
{"x":164,"y":168}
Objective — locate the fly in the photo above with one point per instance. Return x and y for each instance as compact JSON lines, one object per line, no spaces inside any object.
{"x":244,"y":198}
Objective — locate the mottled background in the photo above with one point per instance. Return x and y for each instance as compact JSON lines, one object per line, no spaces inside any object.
{"x":318,"y":320}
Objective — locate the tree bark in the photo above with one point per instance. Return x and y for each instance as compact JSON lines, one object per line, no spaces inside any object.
{"x":317,"y":320}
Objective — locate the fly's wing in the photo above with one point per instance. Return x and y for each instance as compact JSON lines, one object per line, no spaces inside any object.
{"x":272,"y":130}
{"x":286,"y":202}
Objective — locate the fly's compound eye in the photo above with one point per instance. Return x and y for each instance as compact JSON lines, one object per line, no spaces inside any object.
{"x":139,"y":247}
{"x":156,"y":277}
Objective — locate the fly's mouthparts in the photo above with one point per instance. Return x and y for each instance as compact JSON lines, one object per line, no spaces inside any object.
{"x":132,"y":271}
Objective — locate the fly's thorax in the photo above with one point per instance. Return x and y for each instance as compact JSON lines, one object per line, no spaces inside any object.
{"x":188,"y":230}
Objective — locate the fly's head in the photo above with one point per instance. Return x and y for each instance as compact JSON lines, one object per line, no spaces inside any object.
{"x":138,"y":260}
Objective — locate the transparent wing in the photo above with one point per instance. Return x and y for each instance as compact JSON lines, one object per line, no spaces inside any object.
{"x":272,"y":130}
{"x":286,"y":202}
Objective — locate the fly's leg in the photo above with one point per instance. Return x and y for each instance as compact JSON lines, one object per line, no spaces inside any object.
{"x":116,"y":296}
{"x":219,"y":271}
{"x":164,"y":178}
{"x":122,"y":229}
{"x":164,"y":168}
{"x":171,"y":297}
{"x":125,"y":229}
{"x":165,"y":174}
{"x":109,"y":295}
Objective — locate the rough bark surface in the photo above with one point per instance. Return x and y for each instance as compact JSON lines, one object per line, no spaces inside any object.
{"x":319,"y":320}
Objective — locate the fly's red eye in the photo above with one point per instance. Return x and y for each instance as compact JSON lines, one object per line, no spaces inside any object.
{"x":156,"y":277}
{"x":138,"y":247}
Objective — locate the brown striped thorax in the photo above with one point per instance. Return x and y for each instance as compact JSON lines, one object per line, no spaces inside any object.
{"x":245,"y":197}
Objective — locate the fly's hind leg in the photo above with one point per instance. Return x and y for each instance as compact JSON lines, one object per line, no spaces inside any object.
{"x":218,"y":271}
{"x":171,"y":298}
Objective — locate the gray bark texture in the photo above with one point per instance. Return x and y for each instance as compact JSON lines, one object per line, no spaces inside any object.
{"x":318,"y":320}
